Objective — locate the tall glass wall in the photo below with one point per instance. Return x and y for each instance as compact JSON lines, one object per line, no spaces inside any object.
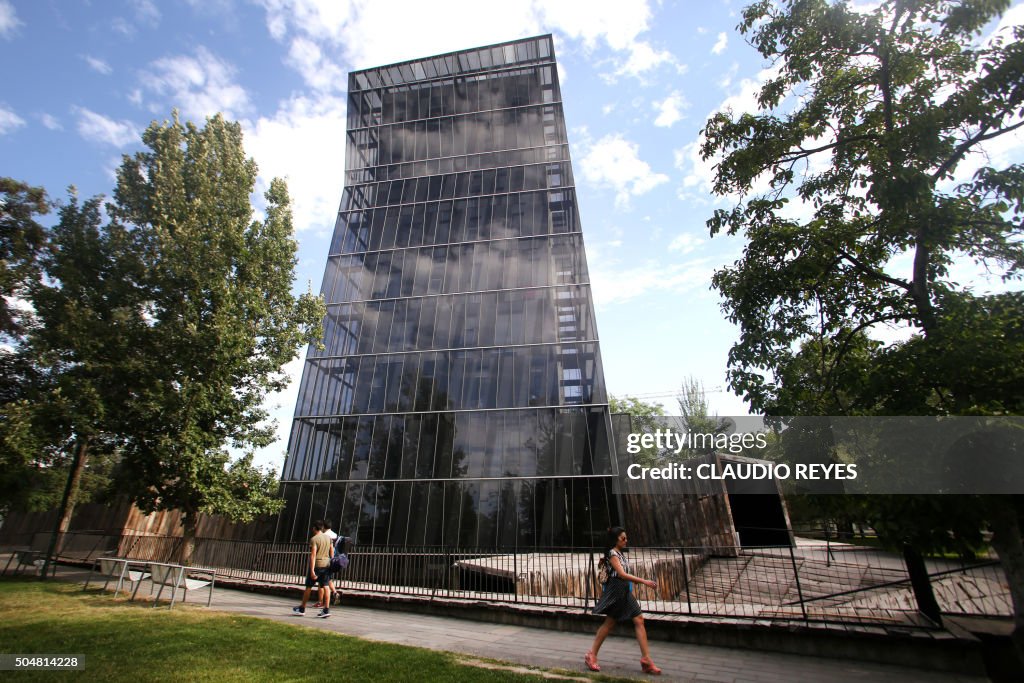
{"x":459,"y":398}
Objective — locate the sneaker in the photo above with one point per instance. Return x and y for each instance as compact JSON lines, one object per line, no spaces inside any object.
{"x":299,"y":611}
{"x":323,"y":614}
{"x":318,"y":604}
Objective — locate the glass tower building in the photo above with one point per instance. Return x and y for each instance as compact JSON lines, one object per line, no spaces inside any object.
{"x":459,"y":399}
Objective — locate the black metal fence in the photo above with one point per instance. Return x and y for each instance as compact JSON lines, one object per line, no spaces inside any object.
{"x":814,"y":581}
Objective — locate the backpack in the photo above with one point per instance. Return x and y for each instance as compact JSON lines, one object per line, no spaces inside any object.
{"x":340,"y":560}
{"x":605,"y":571}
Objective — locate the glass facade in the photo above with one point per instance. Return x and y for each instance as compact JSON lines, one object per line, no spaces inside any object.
{"x":459,"y":399}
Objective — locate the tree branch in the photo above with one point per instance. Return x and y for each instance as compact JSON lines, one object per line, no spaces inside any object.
{"x":966,"y":145}
{"x":794,"y":156}
{"x":871,"y":272}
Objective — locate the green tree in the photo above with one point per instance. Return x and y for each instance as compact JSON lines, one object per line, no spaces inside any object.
{"x":867,"y":119}
{"x":644,"y":418}
{"x":222,"y":321}
{"x":88,"y":315}
{"x":22,"y":243}
{"x":696,"y":414}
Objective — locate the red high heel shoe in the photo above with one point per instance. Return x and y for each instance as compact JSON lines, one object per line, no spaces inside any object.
{"x":648,"y":667}
{"x":591,"y":660}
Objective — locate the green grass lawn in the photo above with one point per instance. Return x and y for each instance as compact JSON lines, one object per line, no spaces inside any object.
{"x":125,"y":641}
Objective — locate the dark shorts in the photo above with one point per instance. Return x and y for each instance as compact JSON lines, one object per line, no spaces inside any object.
{"x":323,"y":578}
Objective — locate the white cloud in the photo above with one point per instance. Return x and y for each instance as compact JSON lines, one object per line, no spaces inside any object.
{"x":97,"y":65}
{"x":698,"y":174}
{"x":317,"y":70}
{"x":614,"y":161}
{"x":364,"y":33}
{"x":375,"y":38}
{"x":98,"y":128}
{"x":9,"y":21}
{"x":1012,"y":18}
{"x":304,"y":143}
{"x":200,"y":85}
{"x":726,"y":80}
{"x":614,"y":285}
{"x":123,"y":27}
{"x":720,"y":44}
{"x":685,"y":243}
{"x":643,"y":58}
{"x":670,"y":110}
{"x":322,"y":20}
{"x":50,"y":122}
{"x":745,"y":97}
{"x":9,"y":120}
{"x":615,"y":22}
{"x":146,"y":12}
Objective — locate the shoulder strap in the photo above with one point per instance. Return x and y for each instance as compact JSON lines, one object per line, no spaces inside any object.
{"x":612,"y":552}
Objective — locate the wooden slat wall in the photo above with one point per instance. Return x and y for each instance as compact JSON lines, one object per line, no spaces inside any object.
{"x":122,"y":516}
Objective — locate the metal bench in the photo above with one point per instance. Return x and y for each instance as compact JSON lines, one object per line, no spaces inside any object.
{"x":177,"y":576}
{"x":119,"y":567}
{"x":30,"y":558}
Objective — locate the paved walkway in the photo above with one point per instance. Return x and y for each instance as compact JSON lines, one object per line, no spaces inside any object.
{"x":556,"y":649}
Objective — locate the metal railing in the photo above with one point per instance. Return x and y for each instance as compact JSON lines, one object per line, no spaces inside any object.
{"x":811,"y":582}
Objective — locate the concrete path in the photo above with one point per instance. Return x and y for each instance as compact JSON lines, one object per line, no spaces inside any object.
{"x":555,"y":649}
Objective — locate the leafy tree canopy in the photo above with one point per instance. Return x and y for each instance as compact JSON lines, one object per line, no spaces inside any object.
{"x":868,"y":120}
{"x":161,"y":328}
{"x":22,"y":242}
{"x":863,"y":178}
{"x":643,"y":418}
{"x":222,"y":319}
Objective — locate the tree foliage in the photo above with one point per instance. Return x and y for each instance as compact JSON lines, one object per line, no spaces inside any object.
{"x":221,"y":319}
{"x":643,"y":418}
{"x":867,"y":121}
{"x":863,"y":179}
{"x":70,"y":364}
{"x":696,"y":412}
{"x":22,"y":243}
{"x":161,"y":328}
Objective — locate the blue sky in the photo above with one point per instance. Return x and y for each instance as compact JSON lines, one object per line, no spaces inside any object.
{"x":639,"y":79}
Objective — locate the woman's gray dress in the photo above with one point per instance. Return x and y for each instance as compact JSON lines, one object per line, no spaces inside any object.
{"x":617,"y":600}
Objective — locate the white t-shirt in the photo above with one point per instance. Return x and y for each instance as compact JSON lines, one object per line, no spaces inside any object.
{"x":331,"y":535}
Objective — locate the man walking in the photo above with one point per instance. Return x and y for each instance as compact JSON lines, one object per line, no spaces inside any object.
{"x":333,"y":538}
{"x":319,"y":571}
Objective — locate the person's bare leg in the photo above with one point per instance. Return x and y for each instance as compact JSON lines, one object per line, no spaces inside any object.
{"x":646,"y":664}
{"x":305,"y":597}
{"x":641,"y":636}
{"x":602,"y":633}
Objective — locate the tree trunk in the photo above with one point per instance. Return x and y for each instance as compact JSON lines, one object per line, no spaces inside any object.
{"x":921,"y":584}
{"x":189,"y":522}
{"x":67,"y":503}
{"x":1006,"y":539}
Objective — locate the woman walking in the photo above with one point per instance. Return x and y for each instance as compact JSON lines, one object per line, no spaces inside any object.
{"x":618,"y":604}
